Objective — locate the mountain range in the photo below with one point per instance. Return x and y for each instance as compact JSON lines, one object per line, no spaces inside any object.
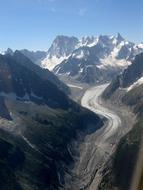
{"x":89,"y":59}
{"x":39,"y":122}
{"x":100,"y":60}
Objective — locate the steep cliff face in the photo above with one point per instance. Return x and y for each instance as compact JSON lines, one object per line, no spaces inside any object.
{"x":106,"y":55}
{"x":43,"y":73}
{"x":130,"y":78}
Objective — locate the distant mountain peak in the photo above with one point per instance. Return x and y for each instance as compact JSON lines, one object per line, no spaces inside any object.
{"x":73,"y":56}
{"x":62,"y":46}
{"x":119,"y":37}
{"x":104,"y":55}
{"x":9,"y":51}
{"x":65,"y":37}
{"x":60,"y":49}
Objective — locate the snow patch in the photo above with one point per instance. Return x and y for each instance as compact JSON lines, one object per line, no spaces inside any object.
{"x":111,"y":59}
{"x":50,"y":63}
{"x":74,"y":86}
{"x":135,"y":84}
{"x":2,"y":52}
{"x":68,"y":73}
{"x":79,"y":55}
{"x":140,"y":45}
{"x":81,"y":70}
{"x":113,"y":62}
{"x":87,"y":41}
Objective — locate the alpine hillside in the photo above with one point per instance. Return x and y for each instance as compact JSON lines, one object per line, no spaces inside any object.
{"x":38,"y":123}
{"x":128,"y":89}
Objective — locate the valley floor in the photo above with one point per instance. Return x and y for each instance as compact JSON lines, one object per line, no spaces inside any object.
{"x":97,"y":148}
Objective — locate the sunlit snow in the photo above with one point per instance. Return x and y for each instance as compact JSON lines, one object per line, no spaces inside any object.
{"x":135,"y":84}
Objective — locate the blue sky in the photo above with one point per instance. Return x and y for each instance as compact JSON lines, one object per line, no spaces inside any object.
{"x":33,"y":24}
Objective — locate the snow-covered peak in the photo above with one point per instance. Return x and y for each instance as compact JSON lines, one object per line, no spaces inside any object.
{"x":9,"y":51}
{"x":140,"y":45}
{"x":91,"y":41}
{"x":88,"y":41}
{"x":119,"y":37}
{"x":62,"y":46}
{"x":110,"y":50}
{"x":61,"y":49}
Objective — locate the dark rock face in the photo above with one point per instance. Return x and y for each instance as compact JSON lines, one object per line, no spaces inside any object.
{"x":35,"y":57}
{"x":133,"y":72}
{"x":62,"y":46}
{"x":124,"y":53}
{"x":4,"y":112}
{"x":45,"y":74}
{"x":9,"y":51}
{"x":38,"y":124}
{"x":121,"y":170}
{"x":17,"y":79}
{"x":128,"y":77}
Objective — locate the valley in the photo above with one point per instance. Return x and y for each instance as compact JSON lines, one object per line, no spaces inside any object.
{"x":71,"y":95}
{"x":82,"y":130}
{"x":97,"y":147}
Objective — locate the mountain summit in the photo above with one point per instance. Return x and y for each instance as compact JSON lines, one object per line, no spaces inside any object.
{"x":60,"y":49}
{"x":90,"y":59}
{"x":98,"y":59}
